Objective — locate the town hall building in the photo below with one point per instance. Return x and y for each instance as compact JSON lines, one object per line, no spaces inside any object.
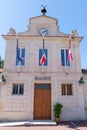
{"x":39,"y":74}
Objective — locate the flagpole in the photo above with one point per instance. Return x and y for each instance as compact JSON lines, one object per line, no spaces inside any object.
{"x":43,"y":57}
{"x":42,"y":54}
{"x":70,"y":58}
{"x":18,"y":68}
{"x":69,"y":47}
{"x":43,"y":44}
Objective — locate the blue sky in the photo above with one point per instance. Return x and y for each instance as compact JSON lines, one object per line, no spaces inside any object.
{"x":71,"y":14}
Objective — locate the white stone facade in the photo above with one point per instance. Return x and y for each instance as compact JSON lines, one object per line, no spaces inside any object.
{"x":21,"y":107}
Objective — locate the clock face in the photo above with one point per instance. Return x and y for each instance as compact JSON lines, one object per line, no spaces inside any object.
{"x":43,"y":31}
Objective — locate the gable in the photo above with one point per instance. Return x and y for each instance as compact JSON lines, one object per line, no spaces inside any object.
{"x":39,"y":22}
{"x":43,"y":19}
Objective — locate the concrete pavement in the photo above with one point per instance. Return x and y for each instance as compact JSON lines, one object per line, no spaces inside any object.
{"x":41,"y":125}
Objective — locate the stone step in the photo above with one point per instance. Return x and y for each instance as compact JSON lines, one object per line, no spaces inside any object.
{"x":28,"y":123}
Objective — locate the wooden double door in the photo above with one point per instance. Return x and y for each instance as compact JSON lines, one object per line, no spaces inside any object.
{"x":42,"y":102}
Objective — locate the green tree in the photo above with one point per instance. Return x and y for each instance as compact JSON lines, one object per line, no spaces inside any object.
{"x":1,"y":63}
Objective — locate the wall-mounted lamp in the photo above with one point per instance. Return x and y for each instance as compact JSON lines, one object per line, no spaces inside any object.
{"x":81,"y":81}
{"x":2,"y":80}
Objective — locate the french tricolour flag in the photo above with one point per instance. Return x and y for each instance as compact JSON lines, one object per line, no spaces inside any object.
{"x":43,"y":59}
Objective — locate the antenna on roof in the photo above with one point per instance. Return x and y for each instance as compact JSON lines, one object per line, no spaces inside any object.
{"x":43,"y":10}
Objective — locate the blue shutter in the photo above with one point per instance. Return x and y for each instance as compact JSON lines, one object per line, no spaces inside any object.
{"x":62,"y":57}
{"x":46,"y":53}
{"x":40,"y":55}
{"x":23,"y":56}
{"x":23,"y":53}
{"x":66,"y":57}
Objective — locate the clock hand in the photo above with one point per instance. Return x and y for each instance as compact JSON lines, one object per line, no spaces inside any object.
{"x":44,"y":31}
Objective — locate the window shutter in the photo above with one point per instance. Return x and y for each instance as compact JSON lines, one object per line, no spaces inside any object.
{"x":46,"y":63}
{"x":69,"y":89}
{"x":23,"y":56}
{"x":40,"y":55}
{"x":21,"y":89}
{"x":63,"y":89}
{"x":23,"y":53}
{"x":62,"y":57}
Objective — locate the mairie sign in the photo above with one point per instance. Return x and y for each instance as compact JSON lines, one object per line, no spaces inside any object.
{"x":42,"y":78}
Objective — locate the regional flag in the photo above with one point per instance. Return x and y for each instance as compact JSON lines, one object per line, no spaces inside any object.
{"x":70,"y":57}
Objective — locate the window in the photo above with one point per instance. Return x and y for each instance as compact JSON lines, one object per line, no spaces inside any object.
{"x":66,"y":89}
{"x":21,"y":59}
{"x":64,"y":57}
{"x":18,"y":89}
{"x":41,"y":54}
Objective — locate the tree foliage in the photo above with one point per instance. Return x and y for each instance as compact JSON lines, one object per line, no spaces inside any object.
{"x":1,"y":63}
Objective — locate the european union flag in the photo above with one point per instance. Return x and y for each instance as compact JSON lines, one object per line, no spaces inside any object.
{"x":20,"y":59}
